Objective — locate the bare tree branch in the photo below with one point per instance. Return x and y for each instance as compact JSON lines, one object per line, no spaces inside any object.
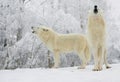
{"x":27,"y":1}
{"x":43,"y":2}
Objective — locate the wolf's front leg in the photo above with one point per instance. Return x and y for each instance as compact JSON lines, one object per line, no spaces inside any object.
{"x":56,"y":59}
{"x":95,"y":55}
{"x":84,"y":62}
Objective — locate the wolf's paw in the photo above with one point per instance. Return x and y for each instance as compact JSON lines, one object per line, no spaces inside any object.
{"x":81,"y":67}
{"x":100,"y":68}
{"x":108,"y":67}
{"x":95,"y":69}
{"x":55,"y":67}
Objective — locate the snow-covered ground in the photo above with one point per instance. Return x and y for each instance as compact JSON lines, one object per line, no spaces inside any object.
{"x":69,"y":74}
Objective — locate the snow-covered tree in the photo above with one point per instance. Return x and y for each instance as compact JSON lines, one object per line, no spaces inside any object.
{"x":19,"y":48}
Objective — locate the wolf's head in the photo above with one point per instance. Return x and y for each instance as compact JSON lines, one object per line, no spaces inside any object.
{"x":44,"y":33}
{"x":95,"y":9}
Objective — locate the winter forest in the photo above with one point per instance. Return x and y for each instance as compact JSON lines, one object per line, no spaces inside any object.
{"x":19,"y":48}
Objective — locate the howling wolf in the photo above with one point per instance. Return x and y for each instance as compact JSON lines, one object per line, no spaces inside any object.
{"x":97,"y":38}
{"x":64,"y":43}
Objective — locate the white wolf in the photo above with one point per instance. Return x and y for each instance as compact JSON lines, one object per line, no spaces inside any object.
{"x":63,"y":43}
{"x":97,"y":38}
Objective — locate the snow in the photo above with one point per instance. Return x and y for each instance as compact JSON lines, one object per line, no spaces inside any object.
{"x":69,"y":74}
{"x":64,"y":16}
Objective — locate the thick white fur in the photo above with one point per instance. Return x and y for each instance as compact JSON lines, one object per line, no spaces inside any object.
{"x":97,"y":39}
{"x":63,"y":43}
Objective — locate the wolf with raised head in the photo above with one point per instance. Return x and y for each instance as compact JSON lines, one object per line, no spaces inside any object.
{"x":64,"y":43}
{"x":97,"y":38}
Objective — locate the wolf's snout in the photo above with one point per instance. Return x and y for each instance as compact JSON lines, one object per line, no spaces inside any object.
{"x":95,"y":9}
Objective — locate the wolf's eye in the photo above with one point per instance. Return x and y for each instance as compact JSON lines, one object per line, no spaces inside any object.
{"x":45,"y":30}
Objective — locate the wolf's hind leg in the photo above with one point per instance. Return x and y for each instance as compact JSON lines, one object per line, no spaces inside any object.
{"x":56,"y":59}
{"x":105,"y":60}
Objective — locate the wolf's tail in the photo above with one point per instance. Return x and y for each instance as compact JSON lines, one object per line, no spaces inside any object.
{"x":87,"y":53}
